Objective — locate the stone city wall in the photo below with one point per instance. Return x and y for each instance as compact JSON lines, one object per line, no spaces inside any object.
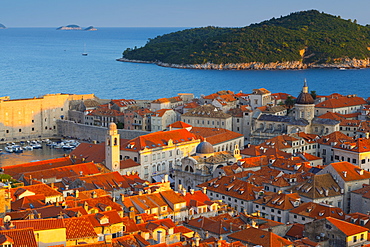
{"x":92,"y":133}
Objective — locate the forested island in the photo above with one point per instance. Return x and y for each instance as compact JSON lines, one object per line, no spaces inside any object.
{"x":305,"y":39}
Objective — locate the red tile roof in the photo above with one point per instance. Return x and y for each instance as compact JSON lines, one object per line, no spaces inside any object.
{"x":79,"y":228}
{"x":158,"y":139}
{"x":90,"y":152}
{"x":16,"y":170}
{"x":349,"y":172}
{"x":215,"y":135}
{"x":347,"y":228}
{"x":341,"y":102}
{"x":21,"y":237}
{"x":318,"y":211}
{"x":260,"y":237}
{"x":39,"y":224}
{"x":39,"y":189}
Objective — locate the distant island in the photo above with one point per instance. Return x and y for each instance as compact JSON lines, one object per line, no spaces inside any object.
{"x":2,"y":26}
{"x":305,"y":39}
{"x":91,"y":28}
{"x":76,"y":27}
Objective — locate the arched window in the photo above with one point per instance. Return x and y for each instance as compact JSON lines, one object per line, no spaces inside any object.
{"x":115,"y":142}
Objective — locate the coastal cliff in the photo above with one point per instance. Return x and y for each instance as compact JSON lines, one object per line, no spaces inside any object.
{"x":344,"y":63}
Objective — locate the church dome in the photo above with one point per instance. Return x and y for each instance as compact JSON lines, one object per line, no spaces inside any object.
{"x":304,"y":97}
{"x":204,"y":148}
{"x":112,"y":126}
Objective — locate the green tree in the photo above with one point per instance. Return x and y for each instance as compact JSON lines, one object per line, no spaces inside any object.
{"x":313,"y":94}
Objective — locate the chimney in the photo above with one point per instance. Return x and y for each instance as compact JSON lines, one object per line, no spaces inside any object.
{"x":367,"y":135}
{"x":131,"y":213}
{"x":77,"y":193}
{"x":160,"y":237}
{"x":204,"y":190}
{"x":179,"y":187}
{"x":183,"y":192}
{"x":128,"y":173}
{"x":192,"y":191}
{"x":345,"y":174}
{"x":166,"y":178}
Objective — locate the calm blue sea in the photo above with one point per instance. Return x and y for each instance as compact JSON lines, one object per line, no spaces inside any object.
{"x":37,"y":61}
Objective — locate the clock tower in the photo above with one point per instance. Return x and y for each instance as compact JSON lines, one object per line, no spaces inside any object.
{"x":112,"y":148}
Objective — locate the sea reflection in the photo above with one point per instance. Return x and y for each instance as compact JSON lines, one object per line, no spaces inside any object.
{"x":7,"y":159}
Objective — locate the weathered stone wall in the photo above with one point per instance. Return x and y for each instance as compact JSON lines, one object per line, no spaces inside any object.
{"x":86,"y":132}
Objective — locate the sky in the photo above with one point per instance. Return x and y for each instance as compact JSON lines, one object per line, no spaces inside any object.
{"x":167,"y":13}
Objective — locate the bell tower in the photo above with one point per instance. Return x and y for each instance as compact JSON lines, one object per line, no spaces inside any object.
{"x":112,"y":148}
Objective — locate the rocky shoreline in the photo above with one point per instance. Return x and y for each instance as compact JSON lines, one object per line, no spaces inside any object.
{"x":342,"y":63}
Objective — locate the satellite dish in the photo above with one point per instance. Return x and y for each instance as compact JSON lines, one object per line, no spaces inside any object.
{"x":7,"y":218}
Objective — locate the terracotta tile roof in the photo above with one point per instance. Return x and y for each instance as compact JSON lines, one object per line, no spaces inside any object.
{"x":191,"y":105}
{"x":206,"y":111}
{"x":88,"y":194}
{"x":306,"y":242}
{"x":319,"y":186}
{"x":112,"y":216}
{"x":16,"y":170}
{"x":279,"y":142}
{"x":333,"y":137}
{"x":130,"y":225}
{"x":35,"y":201}
{"x":156,"y":139}
{"x":79,"y":228}
{"x":292,"y":165}
{"x":39,"y":224}
{"x":132,"y":240}
{"x":123,"y":102}
{"x":233,"y":187}
{"x":261,"y":91}
{"x":179,"y":125}
{"x":161,"y":112}
{"x":358,"y":219}
{"x":214,"y":135}
{"x":340,"y":102}
{"x":128,"y":163}
{"x":109,"y":181}
{"x":65,"y":171}
{"x":102,"y":111}
{"x":90,"y":152}
{"x":161,"y":100}
{"x":318,"y":211}
{"x":94,"y":202}
{"x":227,"y":98}
{"x":21,"y":237}
{"x":364,"y":191}
{"x":351,"y":123}
{"x":211,"y":96}
{"x":281,"y":96}
{"x":259,"y":237}
{"x":347,"y":228}
{"x":253,"y":150}
{"x":279,"y":200}
{"x":196,"y":196}
{"x":259,"y":177}
{"x":349,"y":172}
{"x":39,"y":189}
{"x":295,"y":231}
{"x":172,"y":196}
{"x":236,"y":112}
{"x":219,"y":227}
{"x":332,"y":115}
